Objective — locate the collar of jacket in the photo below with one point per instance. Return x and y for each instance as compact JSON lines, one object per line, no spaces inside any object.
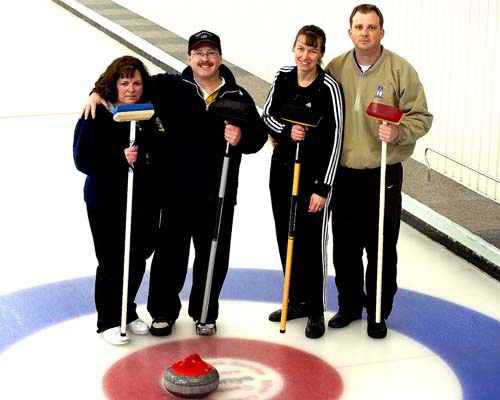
{"x":292,"y":76}
{"x":230,"y":85}
{"x":375,"y":66}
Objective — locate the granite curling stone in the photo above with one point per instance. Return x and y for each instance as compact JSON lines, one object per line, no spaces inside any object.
{"x":191,"y":378}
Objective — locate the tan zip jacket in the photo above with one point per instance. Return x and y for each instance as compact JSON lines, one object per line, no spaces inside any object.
{"x":402,"y":89}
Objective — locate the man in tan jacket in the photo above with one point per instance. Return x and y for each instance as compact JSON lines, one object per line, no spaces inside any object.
{"x":363,"y":71}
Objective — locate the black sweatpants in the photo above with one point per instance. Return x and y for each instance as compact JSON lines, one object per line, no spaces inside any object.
{"x":180,"y":223}
{"x":355,"y":205}
{"x":307,"y":282}
{"x":107,"y":225}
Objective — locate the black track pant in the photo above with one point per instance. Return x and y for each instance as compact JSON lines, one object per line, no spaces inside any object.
{"x":309,"y":259}
{"x":181,"y":223}
{"x":355,"y":205}
{"x":108,"y":231}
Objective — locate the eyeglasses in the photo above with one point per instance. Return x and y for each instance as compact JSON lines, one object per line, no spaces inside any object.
{"x":201,"y":54}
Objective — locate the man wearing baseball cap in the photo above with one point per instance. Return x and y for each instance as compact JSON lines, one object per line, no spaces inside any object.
{"x":195,"y":141}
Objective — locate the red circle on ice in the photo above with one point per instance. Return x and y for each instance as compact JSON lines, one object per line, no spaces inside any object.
{"x":304,"y":376}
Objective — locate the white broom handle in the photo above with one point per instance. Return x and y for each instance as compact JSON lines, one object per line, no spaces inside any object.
{"x":215,"y":240}
{"x":380,"y":251}
{"x":128,"y":226}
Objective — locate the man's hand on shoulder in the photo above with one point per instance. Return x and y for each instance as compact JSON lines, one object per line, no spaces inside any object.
{"x":91,"y":104}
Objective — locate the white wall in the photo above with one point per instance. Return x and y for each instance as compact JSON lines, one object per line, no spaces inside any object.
{"x":453,"y":44}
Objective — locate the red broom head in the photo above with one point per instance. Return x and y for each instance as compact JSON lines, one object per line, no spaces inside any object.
{"x":385,"y":113}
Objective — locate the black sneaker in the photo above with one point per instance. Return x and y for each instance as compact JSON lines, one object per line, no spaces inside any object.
{"x":376,"y":330}
{"x":161,"y":327}
{"x":293,"y":312}
{"x":315,"y":327}
{"x":341,"y":320}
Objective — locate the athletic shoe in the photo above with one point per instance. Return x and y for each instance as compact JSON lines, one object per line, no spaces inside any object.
{"x":341,"y":320}
{"x":293,"y":312}
{"x":161,"y":327}
{"x":376,"y":330}
{"x":114,"y":336}
{"x":138,"y":327}
{"x":207,"y":329}
{"x":315,"y":327}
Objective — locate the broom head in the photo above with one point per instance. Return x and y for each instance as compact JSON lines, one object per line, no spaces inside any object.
{"x":299,"y":114}
{"x":133,"y":112}
{"x":232,"y":110}
{"x":385,"y":113}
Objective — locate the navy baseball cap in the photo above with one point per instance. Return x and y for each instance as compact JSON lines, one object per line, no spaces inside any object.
{"x":204,"y":37}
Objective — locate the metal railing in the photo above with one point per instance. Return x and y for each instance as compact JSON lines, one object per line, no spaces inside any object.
{"x":429,"y":168}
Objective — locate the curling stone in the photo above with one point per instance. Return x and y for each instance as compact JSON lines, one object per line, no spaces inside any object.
{"x":191,"y":378}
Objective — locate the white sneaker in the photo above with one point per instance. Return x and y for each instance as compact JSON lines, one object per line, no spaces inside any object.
{"x":114,"y":336}
{"x":138,"y":327}
{"x":207,"y":329}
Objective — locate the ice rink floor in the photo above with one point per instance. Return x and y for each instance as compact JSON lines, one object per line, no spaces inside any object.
{"x":444,"y":333}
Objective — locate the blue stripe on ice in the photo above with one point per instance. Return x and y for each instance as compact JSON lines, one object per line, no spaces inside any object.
{"x":468,"y":341}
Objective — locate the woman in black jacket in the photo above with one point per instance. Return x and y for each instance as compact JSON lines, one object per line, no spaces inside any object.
{"x":305,"y":90}
{"x":101,"y":151}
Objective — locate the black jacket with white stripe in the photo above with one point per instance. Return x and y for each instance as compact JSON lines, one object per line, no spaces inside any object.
{"x":320,"y":150}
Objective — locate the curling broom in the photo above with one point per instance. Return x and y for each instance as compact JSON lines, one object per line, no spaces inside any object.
{"x":387,"y":115}
{"x":129,"y":113}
